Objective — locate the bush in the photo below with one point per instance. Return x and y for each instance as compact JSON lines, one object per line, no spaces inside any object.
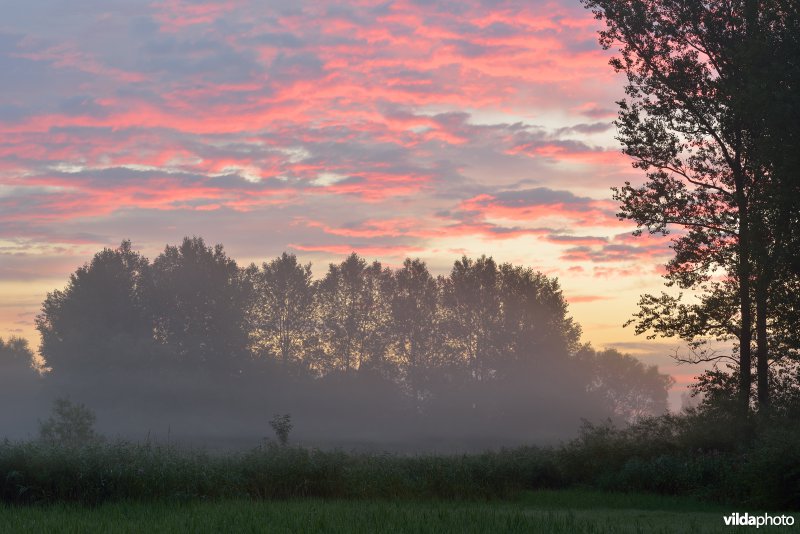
{"x":771,"y":469}
{"x":69,"y":425}
{"x":282,"y":425}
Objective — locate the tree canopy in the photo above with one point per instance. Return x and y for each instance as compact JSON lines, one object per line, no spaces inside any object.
{"x":710,"y":87}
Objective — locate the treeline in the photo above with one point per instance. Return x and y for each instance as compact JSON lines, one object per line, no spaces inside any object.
{"x":364,"y":353}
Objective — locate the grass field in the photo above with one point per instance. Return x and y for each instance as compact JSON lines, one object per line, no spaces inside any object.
{"x":568,"y":511}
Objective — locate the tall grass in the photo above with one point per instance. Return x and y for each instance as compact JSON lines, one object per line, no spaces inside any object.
{"x":41,"y":473}
{"x":668,"y":455}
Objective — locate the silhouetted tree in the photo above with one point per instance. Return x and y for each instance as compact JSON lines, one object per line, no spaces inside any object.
{"x":353,"y":315}
{"x":630,"y":389}
{"x":200,"y":301}
{"x":685,"y":123}
{"x":20,"y":384}
{"x":102,"y":321}
{"x":534,"y":317}
{"x":415,"y":329}
{"x":471,"y":306}
{"x":282,"y":315}
{"x":18,"y":368}
{"x":768,"y":100}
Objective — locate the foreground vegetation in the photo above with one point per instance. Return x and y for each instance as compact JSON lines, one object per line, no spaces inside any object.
{"x":543,"y":511}
{"x":698,"y":455}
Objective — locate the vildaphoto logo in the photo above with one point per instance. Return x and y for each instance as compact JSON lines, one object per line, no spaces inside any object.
{"x":746,"y":520}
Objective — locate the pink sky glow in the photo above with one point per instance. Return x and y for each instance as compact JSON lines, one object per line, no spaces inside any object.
{"x":395,"y":128}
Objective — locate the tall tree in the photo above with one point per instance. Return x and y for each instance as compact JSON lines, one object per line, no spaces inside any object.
{"x":471,"y":301}
{"x":282,"y":314}
{"x":102,"y":320}
{"x":684,"y":126}
{"x":414,"y":320}
{"x":200,"y":301}
{"x":769,"y":102}
{"x":354,"y":316}
{"x":535,"y":322}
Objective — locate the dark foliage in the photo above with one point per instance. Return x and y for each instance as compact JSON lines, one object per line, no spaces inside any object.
{"x":711,"y":117}
{"x":691,"y":454}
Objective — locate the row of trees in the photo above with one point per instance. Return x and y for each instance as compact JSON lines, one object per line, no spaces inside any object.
{"x":712,"y":115}
{"x":198,"y":305}
{"x":487,"y":338}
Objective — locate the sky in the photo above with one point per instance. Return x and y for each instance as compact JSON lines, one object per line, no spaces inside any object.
{"x":394,"y":129}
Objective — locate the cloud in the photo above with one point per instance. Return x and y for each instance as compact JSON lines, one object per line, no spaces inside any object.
{"x":390,"y":128}
{"x":584,"y":128}
{"x":614,"y":253}
{"x":586,"y":298}
{"x":369,"y":251}
{"x":542,"y":203}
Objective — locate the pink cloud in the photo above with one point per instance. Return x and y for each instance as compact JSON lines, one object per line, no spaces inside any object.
{"x":385,"y":128}
{"x":363,"y":250}
{"x":174,"y":15}
{"x":586,"y":298}
{"x":532,"y":205}
{"x":67,"y":56}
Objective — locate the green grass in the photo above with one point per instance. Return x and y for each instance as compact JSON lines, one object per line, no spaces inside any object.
{"x":585,"y":499}
{"x":542,"y":511}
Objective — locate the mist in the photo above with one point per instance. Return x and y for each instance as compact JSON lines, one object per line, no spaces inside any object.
{"x":192,"y":348}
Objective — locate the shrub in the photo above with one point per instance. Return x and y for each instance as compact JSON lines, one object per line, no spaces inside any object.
{"x":69,"y":425}
{"x":771,"y":469}
{"x":282,"y":425}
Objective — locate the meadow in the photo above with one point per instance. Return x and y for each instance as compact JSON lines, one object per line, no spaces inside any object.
{"x":666,"y":474}
{"x":558,"y":511}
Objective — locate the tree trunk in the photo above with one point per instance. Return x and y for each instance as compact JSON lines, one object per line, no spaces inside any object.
{"x":765,"y":272}
{"x":745,"y":337}
{"x":757,"y":251}
{"x":762,"y":347}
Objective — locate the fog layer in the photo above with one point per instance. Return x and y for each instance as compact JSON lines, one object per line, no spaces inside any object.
{"x":193,"y":347}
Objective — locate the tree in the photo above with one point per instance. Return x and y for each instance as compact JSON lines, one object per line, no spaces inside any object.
{"x":18,"y":368}
{"x":20,"y":383}
{"x":354,"y":315}
{"x":534,"y":320}
{"x":630,"y":389}
{"x":70,"y":425}
{"x":101,"y":322}
{"x":282,"y":314}
{"x":415,"y":325}
{"x":200,"y":301}
{"x":769,"y":102}
{"x":471,"y":303}
{"x":281,"y":425}
{"x":683,"y":121}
